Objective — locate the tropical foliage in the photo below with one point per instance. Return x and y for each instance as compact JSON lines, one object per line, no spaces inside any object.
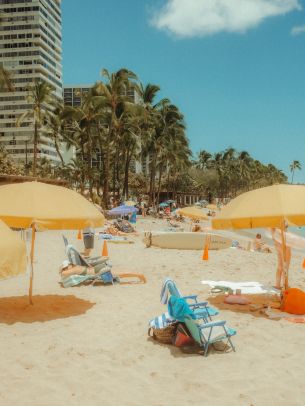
{"x":228,"y":173}
{"x":111,"y":134}
{"x":7,"y":165}
{"x":293,"y":166}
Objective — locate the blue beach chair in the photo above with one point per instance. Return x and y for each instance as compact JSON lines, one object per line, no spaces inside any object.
{"x":204,"y":333}
{"x":169,"y":287}
{"x":202,"y":310}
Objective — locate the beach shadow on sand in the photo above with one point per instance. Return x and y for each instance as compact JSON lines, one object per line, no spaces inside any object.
{"x":17,"y":309}
{"x":192,"y":350}
{"x":258,"y":304}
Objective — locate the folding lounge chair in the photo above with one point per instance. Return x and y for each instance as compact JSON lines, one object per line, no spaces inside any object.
{"x":170,"y":286}
{"x":76,"y":258}
{"x":202,"y":310}
{"x":104,"y":276}
{"x":204,"y":333}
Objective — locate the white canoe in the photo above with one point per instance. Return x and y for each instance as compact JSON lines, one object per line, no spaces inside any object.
{"x":186,"y":240}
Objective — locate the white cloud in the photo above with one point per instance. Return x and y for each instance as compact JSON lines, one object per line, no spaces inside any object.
{"x":199,"y":18}
{"x":300,"y":29}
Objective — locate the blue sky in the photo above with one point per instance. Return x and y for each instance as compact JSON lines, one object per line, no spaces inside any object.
{"x":235,"y":68}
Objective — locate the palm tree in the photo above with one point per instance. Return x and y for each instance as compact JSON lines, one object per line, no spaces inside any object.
{"x":114,"y":95}
{"x":293,"y":166}
{"x":81,"y":131}
{"x":40,"y":97}
{"x":204,"y":160}
{"x":56,"y":128}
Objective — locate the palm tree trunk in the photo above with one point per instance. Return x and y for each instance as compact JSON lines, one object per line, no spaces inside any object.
{"x":59,"y":153}
{"x":159,"y":185}
{"x":292,"y":176}
{"x":126,"y":176}
{"x":152,"y":181}
{"x":106,"y":174}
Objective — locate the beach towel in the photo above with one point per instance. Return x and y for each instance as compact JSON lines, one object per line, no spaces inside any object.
{"x":162,"y":321}
{"x":245,"y":287}
{"x":179,"y":309}
{"x":168,"y":284}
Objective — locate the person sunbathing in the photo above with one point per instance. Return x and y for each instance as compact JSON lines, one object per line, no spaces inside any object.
{"x":67,"y":269}
{"x":259,"y":245}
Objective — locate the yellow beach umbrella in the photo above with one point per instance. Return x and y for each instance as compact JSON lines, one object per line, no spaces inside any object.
{"x":192,"y":213}
{"x":130,"y":203}
{"x":12,"y":253}
{"x":40,"y":206}
{"x":272,"y":206}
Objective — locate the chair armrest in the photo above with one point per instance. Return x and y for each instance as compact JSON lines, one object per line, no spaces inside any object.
{"x":198,"y":304}
{"x":213,"y":324}
{"x":202,"y":316}
{"x":192,"y":297}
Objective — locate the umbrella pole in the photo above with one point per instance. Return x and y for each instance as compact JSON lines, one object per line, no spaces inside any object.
{"x":284,"y":249}
{"x":32,"y":265}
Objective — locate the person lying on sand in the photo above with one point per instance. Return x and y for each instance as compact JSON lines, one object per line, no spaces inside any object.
{"x":259,"y":245}
{"x":67,"y":269}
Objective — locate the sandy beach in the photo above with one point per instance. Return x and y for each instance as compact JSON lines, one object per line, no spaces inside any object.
{"x":89,"y":345}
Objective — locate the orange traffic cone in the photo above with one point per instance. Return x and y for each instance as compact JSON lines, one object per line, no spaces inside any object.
{"x":303,"y":264}
{"x":205,"y":253}
{"x":105,"y":250}
{"x":79,"y":235}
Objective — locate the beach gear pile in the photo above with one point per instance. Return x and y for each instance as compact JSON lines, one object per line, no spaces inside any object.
{"x":188,"y":321}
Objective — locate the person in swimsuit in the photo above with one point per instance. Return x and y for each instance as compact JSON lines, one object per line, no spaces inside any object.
{"x":280,"y":274}
{"x":67,"y":269}
{"x":259,"y":245}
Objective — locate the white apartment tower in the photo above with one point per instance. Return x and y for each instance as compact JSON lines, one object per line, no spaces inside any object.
{"x":30,"y":48}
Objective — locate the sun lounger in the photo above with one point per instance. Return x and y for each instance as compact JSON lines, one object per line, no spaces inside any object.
{"x":76,"y":258}
{"x":204,"y":333}
{"x":105,"y":277}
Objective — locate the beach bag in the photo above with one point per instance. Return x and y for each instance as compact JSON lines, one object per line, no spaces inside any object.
{"x":182,"y":337}
{"x":294,"y":301}
{"x":163,"y":335}
{"x":106,"y":277}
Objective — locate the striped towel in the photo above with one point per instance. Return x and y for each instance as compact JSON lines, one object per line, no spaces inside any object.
{"x":162,"y":321}
{"x":75,"y":280}
{"x":168,"y":286}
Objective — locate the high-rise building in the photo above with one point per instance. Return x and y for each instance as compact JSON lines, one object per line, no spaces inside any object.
{"x":73,"y":94}
{"x":30,"y":49}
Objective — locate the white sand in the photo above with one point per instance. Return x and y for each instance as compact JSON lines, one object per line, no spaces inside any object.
{"x":89,"y":345}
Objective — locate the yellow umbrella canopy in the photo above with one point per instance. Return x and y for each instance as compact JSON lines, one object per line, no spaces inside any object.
{"x":46,"y":206}
{"x":193,"y":213}
{"x":13,"y":253}
{"x":266,"y":207}
{"x":38,"y":205}
{"x":272,"y":206}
